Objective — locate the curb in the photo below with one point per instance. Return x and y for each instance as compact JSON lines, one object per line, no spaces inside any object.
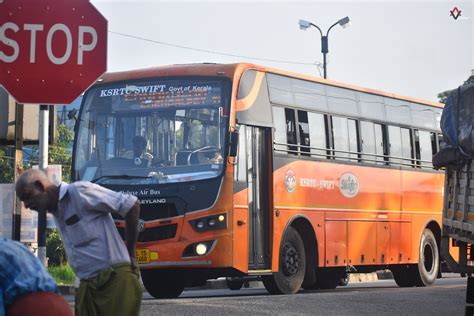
{"x":221,"y":283}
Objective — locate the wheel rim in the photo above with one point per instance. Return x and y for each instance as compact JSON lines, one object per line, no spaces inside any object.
{"x":428,"y":257}
{"x":291,"y":260}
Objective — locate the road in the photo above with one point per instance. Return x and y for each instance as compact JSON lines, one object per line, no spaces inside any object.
{"x":382,"y":297}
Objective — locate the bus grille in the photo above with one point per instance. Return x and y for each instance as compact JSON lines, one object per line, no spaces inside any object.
{"x":154,"y":233}
{"x":154,"y":212}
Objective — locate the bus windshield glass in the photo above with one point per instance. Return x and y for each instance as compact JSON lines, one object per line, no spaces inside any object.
{"x":155,"y":131}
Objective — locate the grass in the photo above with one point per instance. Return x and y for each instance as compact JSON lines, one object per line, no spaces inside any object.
{"x":62,"y":274}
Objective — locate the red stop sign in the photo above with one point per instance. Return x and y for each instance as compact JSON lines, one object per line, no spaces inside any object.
{"x":50,"y":50}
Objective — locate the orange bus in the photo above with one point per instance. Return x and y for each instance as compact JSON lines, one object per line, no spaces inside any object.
{"x":247,"y":171}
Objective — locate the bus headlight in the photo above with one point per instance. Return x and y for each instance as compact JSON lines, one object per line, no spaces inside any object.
{"x":211,"y":222}
{"x":199,"y":249}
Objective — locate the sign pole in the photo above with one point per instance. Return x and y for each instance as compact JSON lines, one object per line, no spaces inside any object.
{"x":43,"y":165}
{"x":16,"y":223}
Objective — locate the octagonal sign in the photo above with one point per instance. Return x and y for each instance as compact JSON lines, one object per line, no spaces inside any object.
{"x":51,"y":50}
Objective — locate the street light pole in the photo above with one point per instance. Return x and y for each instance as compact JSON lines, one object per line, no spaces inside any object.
{"x":304,"y":25}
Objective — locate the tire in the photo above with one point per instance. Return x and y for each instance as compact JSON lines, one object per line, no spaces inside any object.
{"x":428,"y":265}
{"x":329,"y":278}
{"x":162,"y":283}
{"x":291,"y":267}
{"x":425,"y":272}
{"x":234,"y":284}
{"x":344,"y":280}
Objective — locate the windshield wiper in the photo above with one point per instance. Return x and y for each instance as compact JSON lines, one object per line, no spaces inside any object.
{"x":120,"y":176}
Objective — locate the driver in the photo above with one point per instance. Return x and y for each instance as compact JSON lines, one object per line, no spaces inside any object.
{"x":139,"y":151}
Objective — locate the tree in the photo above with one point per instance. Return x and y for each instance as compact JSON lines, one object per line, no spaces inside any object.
{"x":6,"y":169}
{"x":444,"y":95}
{"x":58,"y":153}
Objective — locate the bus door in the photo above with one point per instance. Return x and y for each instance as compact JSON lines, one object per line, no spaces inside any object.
{"x":260,"y":195}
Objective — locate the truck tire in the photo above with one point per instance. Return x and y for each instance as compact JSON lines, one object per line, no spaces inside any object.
{"x":291,"y":267}
{"x":426,"y":271}
{"x":162,"y":284}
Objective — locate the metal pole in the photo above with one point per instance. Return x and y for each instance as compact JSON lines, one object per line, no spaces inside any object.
{"x":16,"y":223}
{"x":324,"y":50}
{"x":324,"y":65}
{"x":43,"y":165}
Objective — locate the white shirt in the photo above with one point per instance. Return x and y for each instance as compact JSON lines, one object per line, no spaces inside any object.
{"x":90,"y":237}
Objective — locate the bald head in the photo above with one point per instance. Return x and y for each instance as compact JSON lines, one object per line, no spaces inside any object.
{"x":31,"y":176}
{"x":37,"y":191}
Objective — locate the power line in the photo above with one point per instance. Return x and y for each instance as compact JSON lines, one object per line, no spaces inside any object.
{"x":209,"y":51}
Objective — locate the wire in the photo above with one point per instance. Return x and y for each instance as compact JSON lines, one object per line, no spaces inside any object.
{"x":209,"y":51}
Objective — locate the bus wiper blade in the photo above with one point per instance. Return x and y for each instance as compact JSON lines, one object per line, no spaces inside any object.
{"x":120,"y":176}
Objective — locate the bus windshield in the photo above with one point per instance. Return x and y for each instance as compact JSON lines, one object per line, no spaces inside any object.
{"x":155,"y":131}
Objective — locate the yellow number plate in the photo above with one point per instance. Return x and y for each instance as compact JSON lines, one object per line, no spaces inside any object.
{"x":142,"y":256}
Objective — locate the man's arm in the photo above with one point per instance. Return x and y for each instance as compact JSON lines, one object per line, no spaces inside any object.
{"x":131,"y":231}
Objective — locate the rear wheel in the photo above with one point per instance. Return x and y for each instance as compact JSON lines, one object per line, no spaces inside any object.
{"x":291,"y":268}
{"x":234,"y":284}
{"x":426,"y":271}
{"x":328,"y":278}
{"x":162,"y":284}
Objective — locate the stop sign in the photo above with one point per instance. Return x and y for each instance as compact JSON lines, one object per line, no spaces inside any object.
{"x":50,"y":50}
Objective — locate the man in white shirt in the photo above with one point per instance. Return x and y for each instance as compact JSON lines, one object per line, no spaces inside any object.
{"x":82,"y":212}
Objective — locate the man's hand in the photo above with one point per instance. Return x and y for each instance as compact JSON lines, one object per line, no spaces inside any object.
{"x":131,"y":232}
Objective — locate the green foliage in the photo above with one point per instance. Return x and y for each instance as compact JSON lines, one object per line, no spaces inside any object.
{"x":444,"y":95}
{"x":55,"y":248}
{"x":62,"y":274}
{"x":59,"y":153}
{"x":6,"y":167}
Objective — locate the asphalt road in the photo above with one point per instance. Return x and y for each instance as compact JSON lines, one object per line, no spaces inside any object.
{"x":383,"y":297}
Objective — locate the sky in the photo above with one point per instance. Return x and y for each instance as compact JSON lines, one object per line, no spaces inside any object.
{"x":412,"y":48}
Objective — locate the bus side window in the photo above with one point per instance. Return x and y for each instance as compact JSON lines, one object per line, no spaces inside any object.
{"x":367,"y":141}
{"x":425,"y":149}
{"x":354,"y":146}
{"x":340,"y":137}
{"x":291,"y":131}
{"x":407,"y":147}
{"x":381,"y":144}
{"x":395,"y":145}
{"x":303,"y":129}
{"x":280,"y":129}
{"x":434,"y":143}
{"x":317,"y":135}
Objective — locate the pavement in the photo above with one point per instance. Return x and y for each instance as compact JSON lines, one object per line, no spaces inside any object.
{"x":221,"y":282}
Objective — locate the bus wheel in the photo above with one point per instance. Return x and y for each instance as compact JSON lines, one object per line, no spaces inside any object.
{"x":329,"y":278}
{"x":426,"y":271}
{"x":292,"y":265}
{"x":428,"y":266}
{"x":162,"y":284}
{"x":234,"y":284}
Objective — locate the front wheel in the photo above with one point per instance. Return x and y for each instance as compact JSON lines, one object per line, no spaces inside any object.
{"x":162,"y":284}
{"x":291,"y":268}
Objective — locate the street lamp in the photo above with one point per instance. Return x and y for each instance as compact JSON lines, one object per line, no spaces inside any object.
{"x":304,"y":25}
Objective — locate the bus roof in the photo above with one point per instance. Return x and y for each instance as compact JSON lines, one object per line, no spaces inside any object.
{"x":234,"y":71}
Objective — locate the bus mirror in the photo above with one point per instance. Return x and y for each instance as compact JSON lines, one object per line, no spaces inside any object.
{"x":234,"y":142}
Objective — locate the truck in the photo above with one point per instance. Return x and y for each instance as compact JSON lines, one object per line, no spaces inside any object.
{"x":456,"y":156}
